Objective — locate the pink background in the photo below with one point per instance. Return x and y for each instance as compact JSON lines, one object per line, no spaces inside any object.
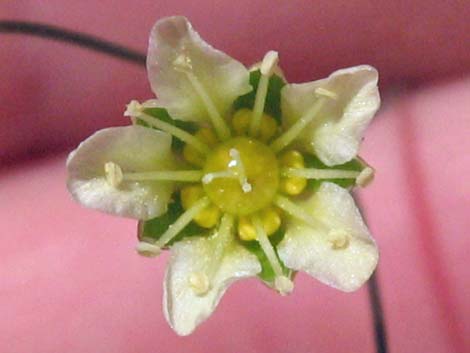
{"x":69,"y":278}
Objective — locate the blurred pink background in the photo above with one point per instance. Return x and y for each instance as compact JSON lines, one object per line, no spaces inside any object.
{"x":69,"y":277}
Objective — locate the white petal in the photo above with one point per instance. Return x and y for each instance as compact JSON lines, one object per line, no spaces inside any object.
{"x":335,"y":134}
{"x":223,"y":78}
{"x":184,"y":309}
{"x":134,"y":149}
{"x":311,"y":249}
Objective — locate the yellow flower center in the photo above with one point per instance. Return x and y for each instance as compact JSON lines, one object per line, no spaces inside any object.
{"x":241,"y":176}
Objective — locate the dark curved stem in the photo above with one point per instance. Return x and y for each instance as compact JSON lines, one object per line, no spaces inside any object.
{"x":377,"y":314}
{"x":76,"y":38}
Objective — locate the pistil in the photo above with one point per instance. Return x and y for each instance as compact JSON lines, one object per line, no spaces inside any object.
{"x":201,"y":281}
{"x":236,"y":171}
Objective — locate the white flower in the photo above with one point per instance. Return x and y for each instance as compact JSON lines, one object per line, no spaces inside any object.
{"x":240,"y":186}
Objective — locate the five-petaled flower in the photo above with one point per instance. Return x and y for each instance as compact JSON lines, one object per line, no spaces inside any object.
{"x":235,"y":171}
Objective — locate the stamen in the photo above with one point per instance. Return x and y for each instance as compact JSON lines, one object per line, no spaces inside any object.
{"x":201,"y":281}
{"x":175,"y":131}
{"x":240,"y":170}
{"x":169,"y":175}
{"x":182,"y":221}
{"x":299,"y":213}
{"x":113,"y":174}
{"x":283,"y":284}
{"x":184,"y":65}
{"x":287,"y":137}
{"x":313,"y":173}
{"x":147,"y":249}
{"x":267,"y":67}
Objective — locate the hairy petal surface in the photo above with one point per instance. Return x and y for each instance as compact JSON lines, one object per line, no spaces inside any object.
{"x":335,"y":133}
{"x":134,"y":149}
{"x":184,"y":309}
{"x":311,"y":249}
{"x":223,"y":78}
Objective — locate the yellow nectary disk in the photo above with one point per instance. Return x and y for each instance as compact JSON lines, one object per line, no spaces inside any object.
{"x":258,"y":164}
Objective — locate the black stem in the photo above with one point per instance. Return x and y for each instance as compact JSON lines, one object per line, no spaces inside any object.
{"x":377,"y":314}
{"x":76,"y":38}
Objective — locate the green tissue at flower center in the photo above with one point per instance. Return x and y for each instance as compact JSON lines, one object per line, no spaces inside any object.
{"x":241,"y":176}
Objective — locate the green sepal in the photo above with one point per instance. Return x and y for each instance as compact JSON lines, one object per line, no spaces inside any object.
{"x":267,"y":274}
{"x":272,"y":105}
{"x":155,"y":227}
{"x":312,"y":161}
{"x":162,"y":114}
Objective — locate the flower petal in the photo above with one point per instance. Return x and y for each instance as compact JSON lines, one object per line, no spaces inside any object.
{"x":184,"y":309}
{"x":134,"y":149}
{"x":223,"y":78}
{"x":334,"y":135}
{"x":313,"y":249}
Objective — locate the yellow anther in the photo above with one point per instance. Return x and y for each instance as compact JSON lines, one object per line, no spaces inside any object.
{"x":209,"y":216}
{"x":292,"y":159}
{"x":241,"y":122}
{"x":207,"y":136}
{"x":271,"y":219}
{"x":268,"y":128}
{"x":191,"y":154}
{"x":246,"y":230}
{"x":292,"y":185}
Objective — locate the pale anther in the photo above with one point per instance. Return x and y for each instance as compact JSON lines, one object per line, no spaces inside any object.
{"x":365,"y":177}
{"x":199,"y":282}
{"x":133,"y":109}
{"x":147,"y":249}
{"x":320,"y":91}
{"x":183,"y":63}
{"x":283,"y":285}
{"x":339,"y":239}
{"x":113,"y":174}
{"x":269,"y":63}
